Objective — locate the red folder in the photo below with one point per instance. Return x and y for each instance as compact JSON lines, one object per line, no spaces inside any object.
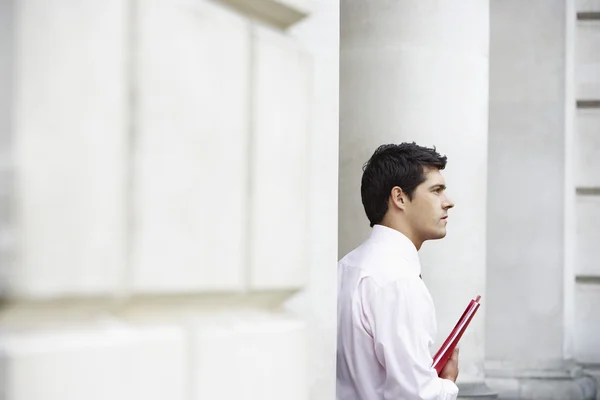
{"x":445,"y":352}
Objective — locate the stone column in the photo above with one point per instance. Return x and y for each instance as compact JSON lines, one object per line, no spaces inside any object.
{"x":418,"y":71}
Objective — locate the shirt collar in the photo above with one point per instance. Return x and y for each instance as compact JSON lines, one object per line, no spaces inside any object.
{"x":400,"y":245}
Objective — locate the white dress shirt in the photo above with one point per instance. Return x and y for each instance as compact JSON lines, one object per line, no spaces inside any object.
{"x":386,"y":324}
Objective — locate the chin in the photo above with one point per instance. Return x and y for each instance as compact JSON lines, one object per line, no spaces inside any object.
{"x":439,"y":235}
{"x":435,"y":235}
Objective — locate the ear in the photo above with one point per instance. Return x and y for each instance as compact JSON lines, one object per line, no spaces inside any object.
{"x":398,"y":198}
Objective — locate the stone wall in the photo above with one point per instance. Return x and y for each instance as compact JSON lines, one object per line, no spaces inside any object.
{"x":168,"y":199}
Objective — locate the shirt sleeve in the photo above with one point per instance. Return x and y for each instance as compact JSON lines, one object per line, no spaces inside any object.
{"x":403,"y":326}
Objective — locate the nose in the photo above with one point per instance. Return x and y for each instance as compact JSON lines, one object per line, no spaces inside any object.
{"x":448,"y":203}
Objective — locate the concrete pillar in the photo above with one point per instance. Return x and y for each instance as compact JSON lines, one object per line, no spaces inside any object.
{"x":418,"y":71}
{"x":531,"y":194}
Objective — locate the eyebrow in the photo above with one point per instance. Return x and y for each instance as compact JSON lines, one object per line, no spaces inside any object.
{"x":438,"y":186}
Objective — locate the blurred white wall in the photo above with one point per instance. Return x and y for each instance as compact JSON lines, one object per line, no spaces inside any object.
{"x":169,"y":187}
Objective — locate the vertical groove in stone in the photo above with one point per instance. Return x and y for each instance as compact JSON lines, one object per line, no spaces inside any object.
{"x":131,"y":89}
{"x":7,"y":228}
{"x":249,"y":220}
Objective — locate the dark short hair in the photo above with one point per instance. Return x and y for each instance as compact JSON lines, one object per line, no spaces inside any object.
{"x":395,"y":165}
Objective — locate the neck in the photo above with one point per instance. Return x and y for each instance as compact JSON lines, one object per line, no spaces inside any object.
{"x":403,"y":228}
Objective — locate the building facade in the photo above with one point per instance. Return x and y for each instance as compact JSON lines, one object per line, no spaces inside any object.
{"x":179,"y":178}
{"x":509,"y":91}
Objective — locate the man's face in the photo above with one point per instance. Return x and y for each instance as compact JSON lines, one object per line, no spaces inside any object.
{"x":427,"y":212}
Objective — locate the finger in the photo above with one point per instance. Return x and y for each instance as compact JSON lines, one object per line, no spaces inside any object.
{"x":455,"y":354}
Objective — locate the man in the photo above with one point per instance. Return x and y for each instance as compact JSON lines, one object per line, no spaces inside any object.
{"x":386,"y":317}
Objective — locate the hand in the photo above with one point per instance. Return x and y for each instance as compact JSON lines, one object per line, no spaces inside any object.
{"x":450,"y":370}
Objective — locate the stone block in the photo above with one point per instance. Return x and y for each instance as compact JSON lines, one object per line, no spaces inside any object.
{"x":69,"y":137}
{"x":254,"y":358}
{"x":588,"y":233}
{"x":587,"y":5}
{"x":191,"y":147}
{"x":279,"y":205}
{"x":587,"y":145}
{"x":543,"y":387}
{"x":587,"y":323}
{"x":116,"y":363}
{"x":587,"y":67}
